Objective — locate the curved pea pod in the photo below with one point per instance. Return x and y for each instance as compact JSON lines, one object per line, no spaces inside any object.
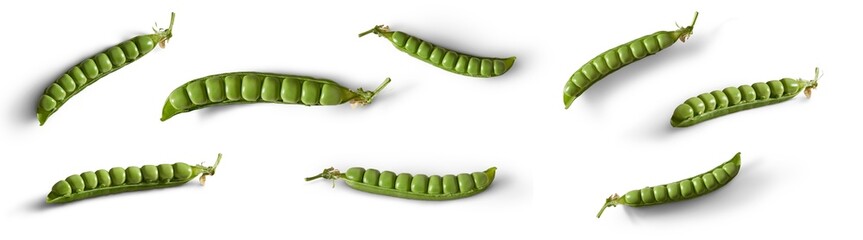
{"x":257,"y":87}
{"x":735,"y":99}
{"x":94,"y":68}
{"x":685,"y":189}
{"x":418,"y":186}
{"x":119,"y":180}
{"x":443,"y":58}
{"x":616,"y":58}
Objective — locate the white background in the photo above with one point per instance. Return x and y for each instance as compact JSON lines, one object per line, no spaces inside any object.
{"x":800,"y":173}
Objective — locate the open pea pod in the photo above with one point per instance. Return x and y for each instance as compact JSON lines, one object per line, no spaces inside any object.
{"x":257,"y":87}
{"x":119,"y":180}
{"x":685,"y":189}
{"x":94,"y":68}
{"x":412,"y":186}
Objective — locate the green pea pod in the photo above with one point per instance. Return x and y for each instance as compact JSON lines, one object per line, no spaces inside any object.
{"x":609,"y":61}
{"x":254,"y":87}
{"x":94,"y":68}
{"x":734,"y":99}
{"x":689,"y":188}
{"x":419,"y":186}
{"x":443,"y":58}
{"x":120,"y":180}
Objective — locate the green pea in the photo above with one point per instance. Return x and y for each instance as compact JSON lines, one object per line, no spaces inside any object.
{"x":465,"y":183}
{"x":776,"y":88}
{"x":197,"y":93}
{"x":90,"y":180}
{"x":270,"y":89}
{"x":674,"y":193}
{"x":291,"y":90}
{"x":61,"y":188}
{"x":150,"y":173}
{"x":371,"y":176}
{"x":233,"y":85}
{"x":762,"y":91}
{"x":721,"y":99}
{"x":118,"y":176}
{"x":76,"y":183}
{"x":78,"y":75}
{"x":251,"y":89}
{"x":708,"y":100}
{"x":103,"y":178}
{"x":697,"y":105}
{"x":387,"y":180}
{"x":419,"y":183}
{"x":355,"y":174}
{"x":133,"y":175}
{"x":435,"y":185}
{"x":748,"y":93}
{"x":733,"y":95}
{"x":403,"y":182}
{"x":130,"y":50}
{"x":116,"y":55}
{"x":215,"y":89}
{"x":182,"y":171}
{"x":103,"y":63}
{"x":166,"y":172}
{"x":56,"y":92}
{"x":660,"y":193}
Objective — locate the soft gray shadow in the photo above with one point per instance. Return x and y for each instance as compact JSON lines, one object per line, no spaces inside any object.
{"x":39,"y":205}
{"x":215,"y":111}
{"x":746,"y":186}
{"x":25,"y":111}
{"x":664,"y":59}
{"x":658,"y":127}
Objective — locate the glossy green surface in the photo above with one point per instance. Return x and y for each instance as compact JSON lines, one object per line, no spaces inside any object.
{"x":613,"y":59}
{"x":419,"y":186}
{"x":689,"y":188}
{"x":255,"y":87}
{"x":94,"y":68}
{"x":118,"y":180}
{"x":731,"y":100}
{"x":452,"y":61}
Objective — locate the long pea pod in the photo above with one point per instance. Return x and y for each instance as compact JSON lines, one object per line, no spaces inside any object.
{"x":94,"y":68}
{"x":446,"y":59}
{"x":418,"y":186}
{"x":730,"y":100}
{"x":616,"y":58}
{"x":119,"y":180}
{"x":255,"y":87}
{"x":685,"y":189}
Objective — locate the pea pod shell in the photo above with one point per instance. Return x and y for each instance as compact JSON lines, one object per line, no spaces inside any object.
{"x":77,"y":78}
{"x":443,"y":58}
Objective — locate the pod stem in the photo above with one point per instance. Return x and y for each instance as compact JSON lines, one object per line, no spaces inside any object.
{"x":329,"y":173}
{"x":165,"y":34}
{"x":366,"y":97}
{"x":812,"y":84}
{"x":611,"y":201}
{"x":377,"y":30}
{"x":211,"y":170}
{"x":687,"y":31}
